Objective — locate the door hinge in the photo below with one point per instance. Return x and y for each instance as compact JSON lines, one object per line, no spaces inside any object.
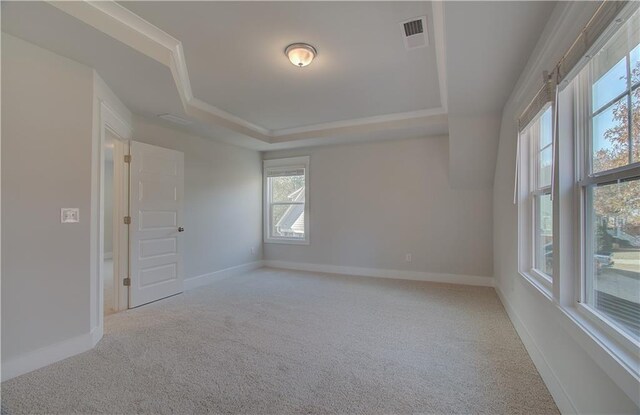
{"x":127,"y":220}
{"x":127,"y":158}
{"x":126,"y":282}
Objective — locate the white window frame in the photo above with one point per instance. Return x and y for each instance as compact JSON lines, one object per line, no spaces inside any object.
{"x":582,"y":163}
{"x":275,"y":165}
{"x":616,"y":352}
{"x":528,"y":192}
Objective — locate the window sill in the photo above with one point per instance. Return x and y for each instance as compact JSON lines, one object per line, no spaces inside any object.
{"x":536,"y":281}
{"x":617,"y":361}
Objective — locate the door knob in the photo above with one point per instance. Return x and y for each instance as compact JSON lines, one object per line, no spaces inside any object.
{"x":180,"y":229}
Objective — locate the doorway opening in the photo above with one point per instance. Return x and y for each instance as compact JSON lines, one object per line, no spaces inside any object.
{"x":114,"y":256}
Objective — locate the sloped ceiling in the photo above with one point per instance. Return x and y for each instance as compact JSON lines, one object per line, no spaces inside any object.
{"x":485,"y":56}
{"x":221,"y":65}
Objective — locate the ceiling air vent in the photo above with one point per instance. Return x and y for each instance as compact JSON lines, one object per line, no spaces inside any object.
{"x":174,"y":119}
{"x":414,"y":33}
{"x":413,"y":28}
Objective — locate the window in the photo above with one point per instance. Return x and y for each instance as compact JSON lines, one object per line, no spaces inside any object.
{"x":286,"y":213}
{"x":610,"y":180}
{"x":579,"y":212}
{"x":536,"y":206}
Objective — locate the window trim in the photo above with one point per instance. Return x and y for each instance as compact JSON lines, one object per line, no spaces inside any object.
{"x":276,"y":164}
{"x":528,"y":192}
{"x":586,"y":179}
{"x":618,"y":361}
{"x":619,"y":344}
{"x":614,"y":350}
{"x":607,"y":327}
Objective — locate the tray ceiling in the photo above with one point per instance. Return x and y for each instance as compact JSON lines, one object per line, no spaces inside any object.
{"x":234,"y":54}
{"x":221,"y":66}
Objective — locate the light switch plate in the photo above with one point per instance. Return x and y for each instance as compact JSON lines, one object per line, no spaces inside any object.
{"x":69,"y":215}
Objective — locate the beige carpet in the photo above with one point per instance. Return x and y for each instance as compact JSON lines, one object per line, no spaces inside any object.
{"x":274,"y":341}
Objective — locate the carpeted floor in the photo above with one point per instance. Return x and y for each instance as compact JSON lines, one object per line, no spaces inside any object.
{"x":273,"y":341}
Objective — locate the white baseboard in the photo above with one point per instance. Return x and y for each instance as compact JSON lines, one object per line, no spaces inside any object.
{"x":384,"y":273}
{"x":550,"y":379}
{"x":204,"y":279}
{"x":96,"y":335}
{"x":50,"y":354}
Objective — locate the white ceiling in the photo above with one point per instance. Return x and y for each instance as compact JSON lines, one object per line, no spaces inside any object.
{"x":140,"y":82}
{"x":235,"y":55}
{"x":364,"y":85}
{"x":487,"y":53}
{"x":144,"y":86}
{"x":488,"y":44}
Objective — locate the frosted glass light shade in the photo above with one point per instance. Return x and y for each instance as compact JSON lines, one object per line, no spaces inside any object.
{"x":300,"y":54}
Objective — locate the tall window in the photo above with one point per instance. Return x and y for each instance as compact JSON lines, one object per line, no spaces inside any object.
{"x":536,"y":206}
{"x":610,"y":185}
{"x":285,"y":200}
{"x":579,"y":241}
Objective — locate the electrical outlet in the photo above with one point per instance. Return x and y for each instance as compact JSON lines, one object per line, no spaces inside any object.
{"x":407,"y":257}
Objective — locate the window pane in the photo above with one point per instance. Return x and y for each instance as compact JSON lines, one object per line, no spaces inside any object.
{"x":613,"y":278}
{"x":610,"y":84}
{"x":546,"y":128}
{"x":544,"y":169}
{"x":545,"y":151}
{"x":609,"y":66}
{"x":287,"y":188}
{"x":544,"y":234}
{"x":287,"y":221}
{"x":610,"y":145}
{"x":635,"y":62}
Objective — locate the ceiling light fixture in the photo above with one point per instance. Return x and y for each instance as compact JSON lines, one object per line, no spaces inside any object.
{"x":300,"y":54}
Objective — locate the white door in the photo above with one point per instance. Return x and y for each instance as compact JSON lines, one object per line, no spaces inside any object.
{"x":155,"y":232}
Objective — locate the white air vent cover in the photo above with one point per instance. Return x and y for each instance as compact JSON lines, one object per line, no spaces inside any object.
{"x":414,"y":33}
{"x":174,"y":119}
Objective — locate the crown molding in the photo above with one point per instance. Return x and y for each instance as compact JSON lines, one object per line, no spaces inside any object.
{"x":360,"y":125}
{"x":127,"y":27}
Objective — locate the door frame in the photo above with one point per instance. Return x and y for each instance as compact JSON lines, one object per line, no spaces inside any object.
{"x":110,"y":120}
{"x":120,"y":230}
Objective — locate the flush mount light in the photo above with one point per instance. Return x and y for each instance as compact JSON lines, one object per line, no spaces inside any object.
{"x":300,"y":54}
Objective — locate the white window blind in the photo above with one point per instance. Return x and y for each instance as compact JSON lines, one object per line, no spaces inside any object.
{"x":574,"y":59}
{"x":277,"y":172}
{"x":570,"y":64}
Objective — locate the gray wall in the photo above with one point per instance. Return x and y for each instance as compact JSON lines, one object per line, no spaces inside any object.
{"x":223,"y":198}
{"x":46,"y":165}
{"x":581,"y":380}
{"x":370,"y":204}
